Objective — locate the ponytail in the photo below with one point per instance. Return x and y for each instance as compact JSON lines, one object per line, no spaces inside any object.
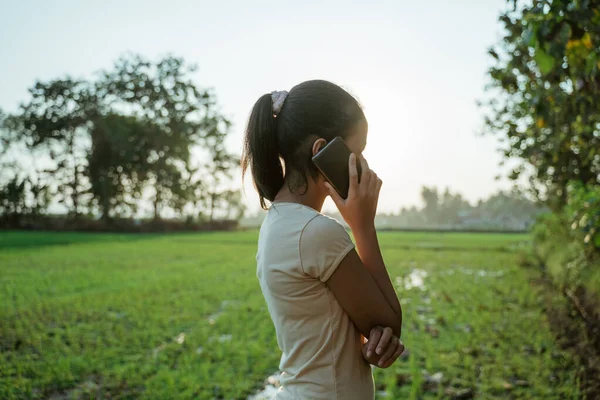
{"x":283,"y":127}
{"x":261,"y":154}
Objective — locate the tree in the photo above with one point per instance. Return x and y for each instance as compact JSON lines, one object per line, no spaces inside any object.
{"x":40,"y":195}
{"x":112,"y":142}
{"x":450,"y":205}
{"x":185,"y":115}
{"x":4,"y":140}
{"x":56,"y":120}
{"x":546,"y":86}
{"x":501,"y":210}
{"x":216,"y":172}
{"x":117,"y":163}
{"x":12,"y":200}
{"x":431,"y":200}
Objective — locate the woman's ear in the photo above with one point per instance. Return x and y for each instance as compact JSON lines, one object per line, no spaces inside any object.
{"x":318,"y":145}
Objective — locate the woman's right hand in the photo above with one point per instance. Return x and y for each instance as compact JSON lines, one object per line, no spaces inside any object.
{"x":382,"y":348}
{"x":359,"y":209}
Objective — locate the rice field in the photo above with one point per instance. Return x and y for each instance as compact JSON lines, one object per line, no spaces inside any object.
{"x":181,"y":316}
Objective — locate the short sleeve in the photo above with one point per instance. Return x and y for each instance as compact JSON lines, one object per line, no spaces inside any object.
{"x":324,"y":243}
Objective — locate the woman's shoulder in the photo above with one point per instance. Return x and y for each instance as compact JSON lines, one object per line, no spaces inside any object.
{"x":293,"y":218}
{"x":323,"y":233}
{"x":325,"y":226}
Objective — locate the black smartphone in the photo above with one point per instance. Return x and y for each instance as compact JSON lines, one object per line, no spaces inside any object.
{"x":332,"y":161}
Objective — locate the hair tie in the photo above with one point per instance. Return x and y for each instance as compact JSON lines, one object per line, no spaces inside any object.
{"x":278,"y":97}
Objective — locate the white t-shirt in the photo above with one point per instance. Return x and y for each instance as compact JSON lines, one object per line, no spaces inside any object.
{"x":298,"y":250}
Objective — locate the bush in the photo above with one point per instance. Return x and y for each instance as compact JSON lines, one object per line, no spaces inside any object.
{"x":569,"y":241}
{"x":583,"y":211}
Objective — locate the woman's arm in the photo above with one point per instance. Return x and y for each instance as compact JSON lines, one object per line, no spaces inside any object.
{"x":370,"y":254}
{"x":358,"y":210}
{"x":358,"y":294}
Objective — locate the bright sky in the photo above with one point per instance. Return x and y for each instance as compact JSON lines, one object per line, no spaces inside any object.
{"x":416,"y":66}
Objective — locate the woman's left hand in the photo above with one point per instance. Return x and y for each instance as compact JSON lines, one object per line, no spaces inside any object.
{"x":383,"y":348}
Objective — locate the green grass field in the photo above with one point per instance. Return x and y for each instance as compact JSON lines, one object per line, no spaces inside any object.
{"x":182,"y":316}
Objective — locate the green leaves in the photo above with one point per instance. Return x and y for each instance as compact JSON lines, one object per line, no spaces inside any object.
{"x":544,"y":61}
{"x":546,"y":97}
{"x":493,"y":53}
{"x":583,"y":212}
{"x":131,"y":129}
{"x":547,"y":106}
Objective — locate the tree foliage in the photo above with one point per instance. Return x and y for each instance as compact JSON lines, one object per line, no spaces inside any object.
{"x":545,"y":84}
{"x":125,"y":138}
{"x":117,"y":166}
{"x":55,"y":122}
{"x":500,"y":210}
{"x":546,"y":108}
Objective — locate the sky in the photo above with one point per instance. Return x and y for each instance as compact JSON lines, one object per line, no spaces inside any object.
{"x":417,"y":67}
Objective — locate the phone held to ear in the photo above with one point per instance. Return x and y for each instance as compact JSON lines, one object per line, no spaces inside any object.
{"x":332,"y":160}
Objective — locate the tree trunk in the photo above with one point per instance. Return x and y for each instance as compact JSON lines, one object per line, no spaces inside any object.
{"x":105,"y":202}
{"x":212,"y":208}
{"x":157,"y":205}
{"x":75,"y":184}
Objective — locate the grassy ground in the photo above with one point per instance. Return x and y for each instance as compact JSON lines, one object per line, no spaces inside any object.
{"x":182,"y":316}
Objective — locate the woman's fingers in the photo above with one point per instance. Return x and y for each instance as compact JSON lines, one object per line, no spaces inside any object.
{"x":370,"y":183}
{"x":385,"y":339}
{"x":365,"y":177}
{"x":335,"y":196}
{"x":353,"y":174}
{"x":382,"y":342}
{"x":373,"y":183}
{"x":389,"y":352}
{"x":374,"y":336}
{"x":397,"y":353}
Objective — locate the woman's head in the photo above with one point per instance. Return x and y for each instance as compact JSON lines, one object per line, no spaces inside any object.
{"x":312,"y":114}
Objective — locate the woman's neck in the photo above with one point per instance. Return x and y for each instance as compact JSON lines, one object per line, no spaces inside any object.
{"x":313,"y":198}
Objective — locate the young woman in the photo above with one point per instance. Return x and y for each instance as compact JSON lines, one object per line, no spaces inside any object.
{"x":324,"y":298}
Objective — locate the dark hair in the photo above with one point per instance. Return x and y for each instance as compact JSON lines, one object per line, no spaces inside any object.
{"x":312,"y":110}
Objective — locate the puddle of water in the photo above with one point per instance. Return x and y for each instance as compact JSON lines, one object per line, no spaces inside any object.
{"x":158,"y":349}
{"x":224,"y":304}
{"x":179,"y":339}
{"x":415,"y":279}
{"x":225,"y":338}
{"x":227,"y":303}
{"x":423,"y":310}
{"x":427,"y":320}
{"x":221,"y":338}
{"x":213,"y":317}
{"x":493,"y":274}
{"x":272,"y":386}
{"x":435,"y":378}
{"x":85,"y":389}
{"x":476,"y":272}
{"x":117,"y":315}
{"x":463,"y":327}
